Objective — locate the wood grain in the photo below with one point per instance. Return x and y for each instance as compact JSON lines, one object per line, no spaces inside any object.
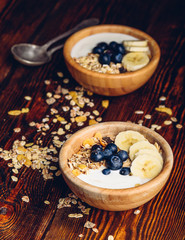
{"x":162,"y":218}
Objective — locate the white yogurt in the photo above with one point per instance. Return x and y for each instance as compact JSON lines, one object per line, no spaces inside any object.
{"x":85,"y":45}
{"x":112,"y":181}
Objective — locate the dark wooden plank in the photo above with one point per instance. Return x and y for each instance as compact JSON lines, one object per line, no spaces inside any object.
{"x":39,"y":21}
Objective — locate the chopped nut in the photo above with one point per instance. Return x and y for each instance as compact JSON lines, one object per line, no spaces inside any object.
{"x":25,"y":110}
{"x":47,"y":202}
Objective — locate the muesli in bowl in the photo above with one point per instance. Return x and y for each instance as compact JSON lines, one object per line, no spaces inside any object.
{"x":116,"y":183}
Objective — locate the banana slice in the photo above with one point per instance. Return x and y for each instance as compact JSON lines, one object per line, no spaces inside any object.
{"x":135,"y":60}
{"x":135,"y":43}
{"x":125,"y":139}
{"x":137,"y":49}
{"x":146,"y":166}
{"x":150,"y":152}
{"x":138,"y":146}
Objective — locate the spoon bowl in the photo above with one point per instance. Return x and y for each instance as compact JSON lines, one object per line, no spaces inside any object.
{"x":30,"y":54}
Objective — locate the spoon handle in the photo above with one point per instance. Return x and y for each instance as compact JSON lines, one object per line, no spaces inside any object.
{"x":86,"y":23}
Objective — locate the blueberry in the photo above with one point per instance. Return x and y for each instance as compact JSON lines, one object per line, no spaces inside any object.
{"x":102,"y":45}
{"x":116,"y":57}
{"x":106,"y":171}
{"x":107,"y":153}
{"x":104,"y":58}
{"x":97,"y":50}
{"x":96,"y":156}
{"x":113,"y":45}
{"x":120,"y":49}
{"x":123,"y":155}
{"x":124,"y":171}
{"x":112,"y":147}
{"x":96,"y":147}
{"x":114,"y":162}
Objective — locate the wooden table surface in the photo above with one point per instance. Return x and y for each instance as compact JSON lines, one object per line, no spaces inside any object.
{"x":28,"y":203}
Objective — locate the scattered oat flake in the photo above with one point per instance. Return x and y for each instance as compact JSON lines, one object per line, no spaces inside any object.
{"x":139,"y":112}
{"x":167,"y":122}
{"x":80,"y":235}
{"x":110,"y":237}
{"x":47,"y":202}
{"x":96,"y":112}
{"x":28,"y":98}
{"x":164,"y":109}
{"x":174,"y":119}
{"x":47,"y":82}
{"x":66,"y":80}
{"x":105,"y":103}
{"x":15,"y":179}
{"x":25,"y":199}
{"x":89,"y":224}
{"x":14,"y":112}
{"x":60,"y":74}
{"x":136,"y":212}
{"x":162,"y":98}
{"x":95,"y":230}
{"x":148,"y":116}
{"x":17,"y":130}
{"x":50,"y":101}
{"x":179,"y":126}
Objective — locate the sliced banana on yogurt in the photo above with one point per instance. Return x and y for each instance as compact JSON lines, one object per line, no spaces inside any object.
{"x":146,"y":166}
{"x":136,"y":147}
{"x":135,"y":60}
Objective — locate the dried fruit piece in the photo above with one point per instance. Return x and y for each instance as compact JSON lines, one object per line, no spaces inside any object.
{"x":105,"y":103}
{"x":164,"y":109}
{"x":81,"y":119}
{"x":88,"y":141}
{"x":98,"y":135}
{"x":92,"y":122}
{"x":76,"y":172}
{"x":14,"y":112}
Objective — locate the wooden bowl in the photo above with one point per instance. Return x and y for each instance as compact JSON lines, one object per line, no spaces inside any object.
{"x":110,"y":84}
{"x":114,"y":199}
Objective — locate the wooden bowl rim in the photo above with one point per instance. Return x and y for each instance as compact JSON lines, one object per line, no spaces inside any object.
{"x":153,"y":45}
{"x":161,"y":178}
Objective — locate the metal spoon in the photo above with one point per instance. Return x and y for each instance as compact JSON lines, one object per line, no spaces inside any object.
{"x":34,"y":55}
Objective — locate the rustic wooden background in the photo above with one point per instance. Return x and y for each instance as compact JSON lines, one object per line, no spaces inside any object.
{"x":37,"y":21}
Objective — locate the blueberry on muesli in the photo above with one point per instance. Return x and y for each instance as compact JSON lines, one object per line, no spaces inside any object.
{"x":96,"y":147}
{"x":96,"y":156}
{"x":112,"y":147}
